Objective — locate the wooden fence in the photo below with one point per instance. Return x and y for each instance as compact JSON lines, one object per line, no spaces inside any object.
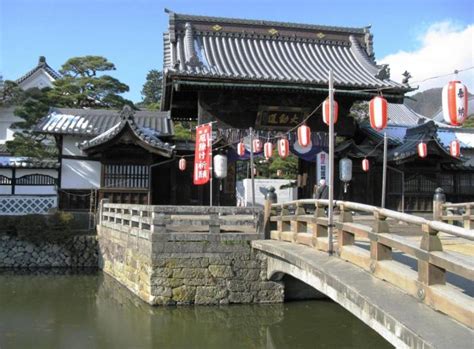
{"x":305,"y":222}
{"x":462,"y":213}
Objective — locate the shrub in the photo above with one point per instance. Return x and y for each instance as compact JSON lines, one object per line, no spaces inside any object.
{"x":54,"y":228}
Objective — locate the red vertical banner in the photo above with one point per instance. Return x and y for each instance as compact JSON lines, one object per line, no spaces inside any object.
{"x":202,"y":154}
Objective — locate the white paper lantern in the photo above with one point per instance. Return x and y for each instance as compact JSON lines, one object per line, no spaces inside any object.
{"x":345,"y":170}
{"x":220,"y":166}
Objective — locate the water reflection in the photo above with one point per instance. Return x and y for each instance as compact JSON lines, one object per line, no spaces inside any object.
{"x":90,"y":310}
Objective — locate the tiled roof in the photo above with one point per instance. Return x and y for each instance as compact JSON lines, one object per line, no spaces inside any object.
{"x":24,"y":162}
{"x":41,"y":65}
{"x":402,"y":115}
{"x":93,"y":122}
{"x":232,"y":49}
{"x":427,"y":133}
{"x":145,"y":134}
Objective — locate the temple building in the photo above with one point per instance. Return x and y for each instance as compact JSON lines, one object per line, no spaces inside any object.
{"x":266,"y":78}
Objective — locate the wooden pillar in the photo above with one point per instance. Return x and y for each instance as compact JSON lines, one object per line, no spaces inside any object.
{"x":378,"y":251}
{"x":344,"y":237}
{"x":429,"y":274}
{"x":296,"y":225}
{"x":469,"y":217}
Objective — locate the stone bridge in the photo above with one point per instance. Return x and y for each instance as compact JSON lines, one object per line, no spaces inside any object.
{"x":408,"y":278}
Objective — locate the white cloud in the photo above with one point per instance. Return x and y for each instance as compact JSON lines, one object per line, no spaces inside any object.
{"x":444,"y":48}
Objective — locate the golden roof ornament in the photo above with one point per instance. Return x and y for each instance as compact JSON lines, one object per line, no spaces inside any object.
{"x":320,"y":35}
{"x":216,"y":27}
{"x":273,"y":31}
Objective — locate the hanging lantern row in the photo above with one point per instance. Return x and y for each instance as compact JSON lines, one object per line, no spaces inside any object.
{"x":304,"y":136}
{"x":335,"y":111}
{"x":283,"y":148}
{"x":182,"y":164}
{"x":455,"y":103}
{"x":378,"y":113}
{"x":422,"y":150}
{"x":455,"y":149}
{"x":365,"y":165}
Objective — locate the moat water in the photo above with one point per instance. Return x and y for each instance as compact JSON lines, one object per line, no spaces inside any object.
{"x":88,"y":309}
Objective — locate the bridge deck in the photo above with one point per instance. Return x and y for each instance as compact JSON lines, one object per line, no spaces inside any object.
{"x":399,"y":317}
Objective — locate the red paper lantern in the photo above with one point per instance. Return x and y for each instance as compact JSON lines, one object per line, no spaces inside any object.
{"x":335,"y":109}
{"x":304,"y":135}
{"x":283,"y":148}
{"x":455,"y":149}
{"x":422,"y":150}
{"x":182,"y":164}
{"x":455,"y":105}
{"x":365,"y":165}
{"x":257,"y":145}
{"x":378,"y":113}
{"x":241,"y":149}
{"x":268,"y":150}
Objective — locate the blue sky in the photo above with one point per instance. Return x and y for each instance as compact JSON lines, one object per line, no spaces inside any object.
{"x":129,"y":32}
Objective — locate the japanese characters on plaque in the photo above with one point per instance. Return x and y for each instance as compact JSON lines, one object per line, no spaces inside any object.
{"x":202,"y":154}
{"x":279,"y":118}
{"x":322,"y":164}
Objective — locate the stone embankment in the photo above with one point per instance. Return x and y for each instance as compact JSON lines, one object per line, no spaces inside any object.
{"x":79,"y":251}
{"x":188,"y":272}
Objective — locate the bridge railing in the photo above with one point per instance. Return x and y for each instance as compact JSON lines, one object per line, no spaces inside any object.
{"x":306,"y":222}
{"x":144,"y":220}
{"x":459,"y":212}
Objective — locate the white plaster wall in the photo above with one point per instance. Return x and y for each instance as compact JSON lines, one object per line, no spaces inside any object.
{"x":6,"y":172}
{"x":5,"y":189}
{"x":35,"y":189}
{"x":39,"y":79}
{"x":70,"y":147}
{"x":80,"y":174}
{"x":27,"y":171}
{"x":7,"y":118}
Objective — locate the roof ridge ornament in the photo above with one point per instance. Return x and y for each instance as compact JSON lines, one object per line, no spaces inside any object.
{"x":369,"y":40}
{"x":190,"y":54}
{"x":127,"y":113}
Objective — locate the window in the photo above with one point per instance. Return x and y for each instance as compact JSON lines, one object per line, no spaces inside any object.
{"x":126,"y":176}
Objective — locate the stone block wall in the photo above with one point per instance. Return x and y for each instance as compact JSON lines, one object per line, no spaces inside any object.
{"x":79,"y":251}
{"x":188,"y":268}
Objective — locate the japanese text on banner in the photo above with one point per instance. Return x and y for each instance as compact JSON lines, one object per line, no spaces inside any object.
{"x":202,"y":155}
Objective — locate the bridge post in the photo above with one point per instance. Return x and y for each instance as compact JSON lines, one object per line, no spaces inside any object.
{"x":282,"y":224}
{"x":429,"y":274}
{"x":378,"y":251}
{"x":267,"y":213}
{"x":296,"y":225}
{"x":469,"y":217}
{"x":344,"y":237}
{"x":320,"y":231}
{"x":439,"y":198}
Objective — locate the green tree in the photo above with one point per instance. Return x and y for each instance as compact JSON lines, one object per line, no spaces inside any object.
{"x":152,"y":88}
{"x":32,"y":105}
{"x":269,"y":168}
{"x":83,"y":85}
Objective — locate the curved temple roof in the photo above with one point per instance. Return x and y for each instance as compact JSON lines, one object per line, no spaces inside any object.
{"x":146,"y":135}
{"x":93,"y":122}
{"x":233,"y":49}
